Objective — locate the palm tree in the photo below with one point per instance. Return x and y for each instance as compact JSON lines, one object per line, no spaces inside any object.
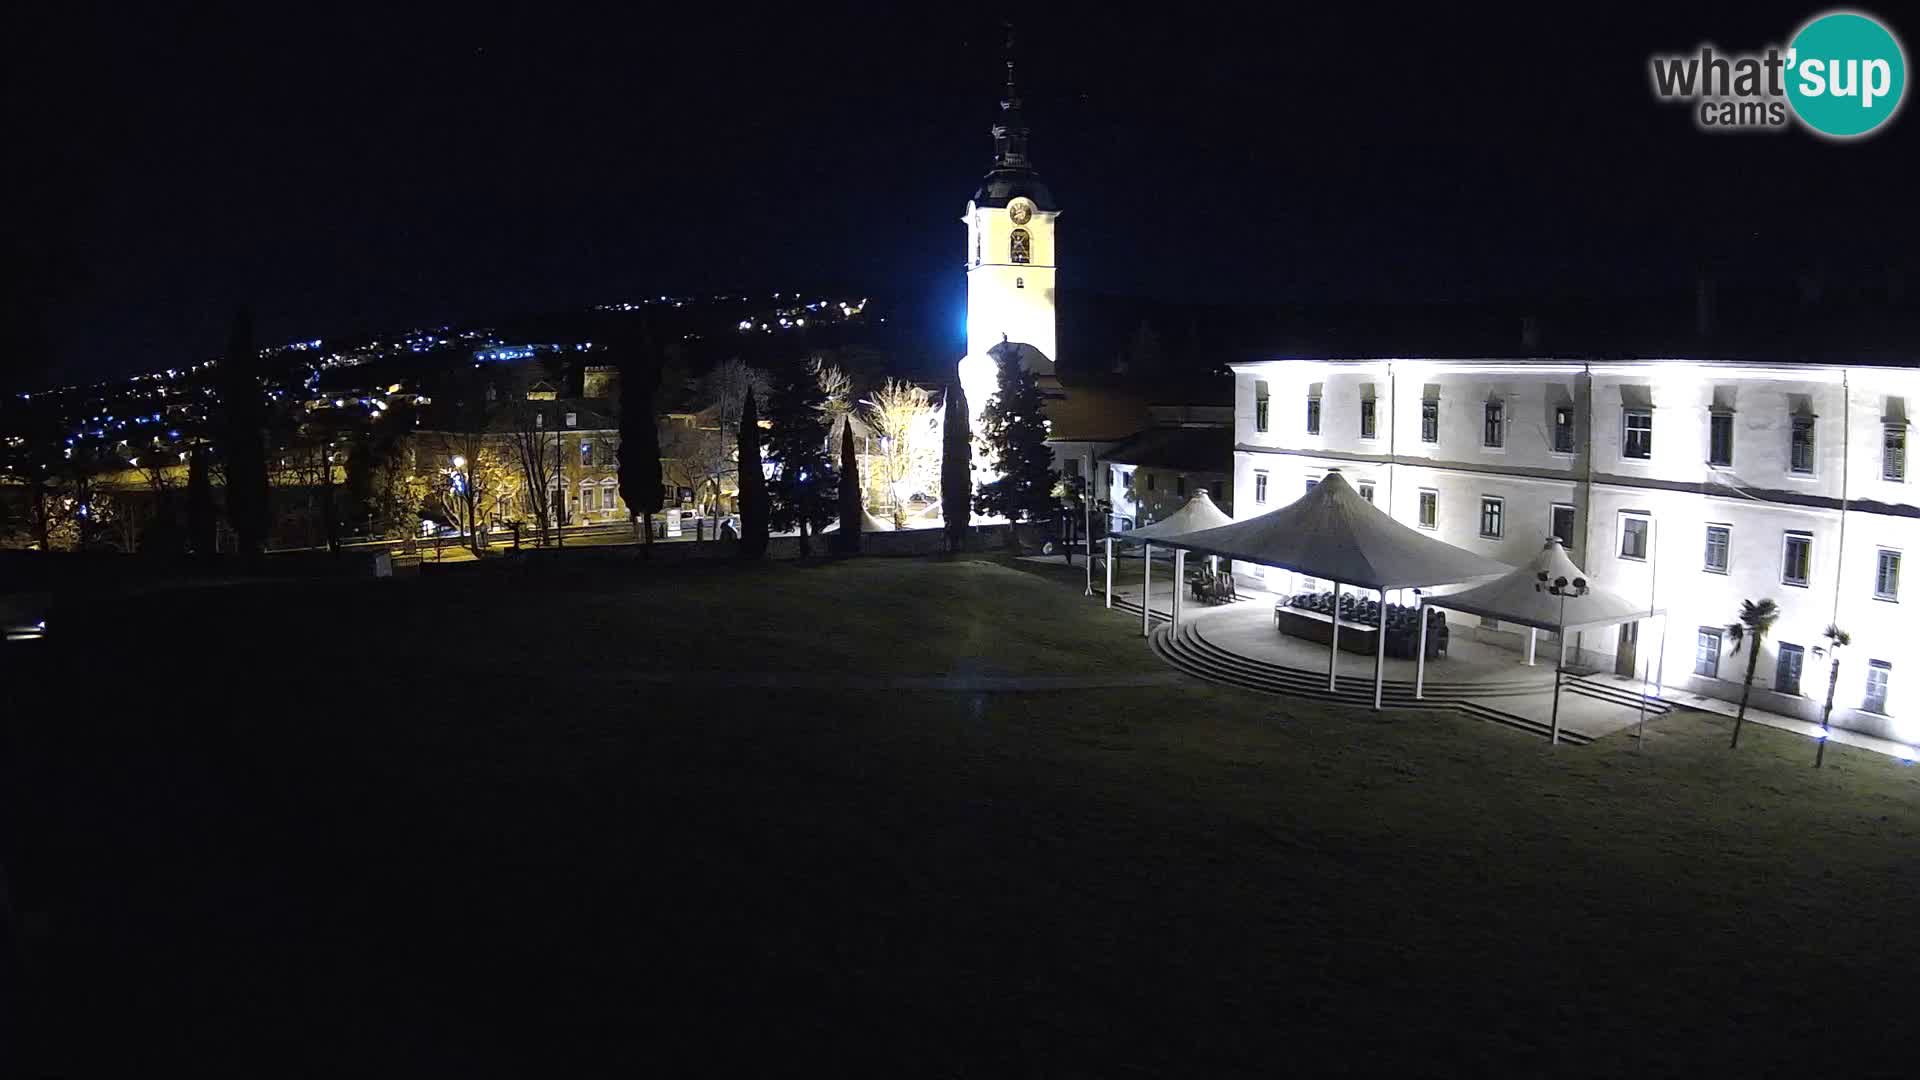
{"x":1837,"y":639}
{"x":1756,"y":618}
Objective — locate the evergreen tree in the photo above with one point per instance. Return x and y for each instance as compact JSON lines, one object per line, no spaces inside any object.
{"x":243,"y":421}
{"x":639,"y":454}
{"x":753,"y":483}
{"x":1015,"y":427}
{"x":848,"y":542}
{"x":201,"y":525}
{"x":804,"y":487}
{"x":956,"y":468}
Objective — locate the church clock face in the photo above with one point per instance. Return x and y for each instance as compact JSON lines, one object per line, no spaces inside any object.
{"x":1020,"y":210}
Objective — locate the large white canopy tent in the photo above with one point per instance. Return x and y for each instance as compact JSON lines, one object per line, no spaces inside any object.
{"x":1200,"y":512}
{"x":1333,"y":533}
{"x":1525,"y":597}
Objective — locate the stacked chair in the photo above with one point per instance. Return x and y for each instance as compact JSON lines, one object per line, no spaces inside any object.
{"x":1402,"y":623}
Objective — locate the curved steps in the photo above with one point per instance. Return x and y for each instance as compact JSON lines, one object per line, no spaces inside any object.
{"x":1190,"y":652}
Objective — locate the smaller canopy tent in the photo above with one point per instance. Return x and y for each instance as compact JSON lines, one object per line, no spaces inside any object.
{"x":1199,"y":513}
{"x":1333,"y":533}
{"x":1521,"y":597}
{"x":1525,"y":597}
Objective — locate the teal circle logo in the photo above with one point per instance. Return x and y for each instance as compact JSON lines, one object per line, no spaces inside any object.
{"x":1845,"y":74}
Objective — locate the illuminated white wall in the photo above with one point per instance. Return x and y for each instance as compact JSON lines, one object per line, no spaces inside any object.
{"x":1008,"y":300}
{"x":1758,"y":497}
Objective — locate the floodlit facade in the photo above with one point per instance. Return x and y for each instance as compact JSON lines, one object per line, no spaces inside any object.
{"x":1692,"y":485}
{"x":1010,"y":261}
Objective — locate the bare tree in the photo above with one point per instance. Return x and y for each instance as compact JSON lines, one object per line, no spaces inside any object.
{"x":907,"y":426}
{"x":533,"y":452}
{"x":836,"y":396}
{"x":725,"y":389}
{"x":698,"y":458}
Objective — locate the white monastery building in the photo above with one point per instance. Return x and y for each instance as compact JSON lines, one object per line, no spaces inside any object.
{"x":1693,"y":485}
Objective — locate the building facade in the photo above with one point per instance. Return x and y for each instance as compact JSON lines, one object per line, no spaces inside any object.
{"x":1694,"y":485}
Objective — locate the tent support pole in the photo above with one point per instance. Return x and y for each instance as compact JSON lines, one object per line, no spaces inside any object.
{"x":1559,"y":666}
{"x":1533,"y":643}
{"x":1109,"y":573}
{"x":1333,"y":654}
{"x":1380,"y":651}
{"x":1179,"y":579}
{"x":1146,"y":590}
{"x":1420,"y":658}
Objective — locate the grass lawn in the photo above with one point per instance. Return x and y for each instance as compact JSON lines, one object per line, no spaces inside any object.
{"x":537,"y":822}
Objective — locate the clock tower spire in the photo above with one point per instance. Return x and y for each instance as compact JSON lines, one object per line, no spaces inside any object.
{"x":1010,"y":253}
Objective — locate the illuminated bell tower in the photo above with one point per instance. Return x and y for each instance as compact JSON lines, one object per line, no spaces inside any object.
{"x":1010,"y":258}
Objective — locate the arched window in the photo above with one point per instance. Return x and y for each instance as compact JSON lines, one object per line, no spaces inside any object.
{"x":1019,"y":283}
{"x":1022,"y":246}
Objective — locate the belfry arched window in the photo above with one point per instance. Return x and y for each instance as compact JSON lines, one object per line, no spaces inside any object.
{"x":1019,"y":283}
{"x":1022,"y":246}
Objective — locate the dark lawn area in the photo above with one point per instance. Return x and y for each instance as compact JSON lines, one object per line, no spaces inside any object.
{"x":460,"y":824}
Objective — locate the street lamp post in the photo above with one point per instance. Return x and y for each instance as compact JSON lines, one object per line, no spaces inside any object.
{"x":1563,"y":589}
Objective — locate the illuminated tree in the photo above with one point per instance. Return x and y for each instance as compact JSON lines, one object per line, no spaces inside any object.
{"x":907,"y":428}
{"x":956,"y":468}
{"x":835,"y":401}
{"x":1014,"y":425}
{"x":753,"y":483}
{"x":1756,"y":619}
{"x":803,"y":487}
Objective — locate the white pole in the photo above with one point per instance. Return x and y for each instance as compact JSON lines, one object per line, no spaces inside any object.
{"x":1533,"y":643}
{"x":1660,"y":676}
{"x":1179,"y":579}
{"x":1653,"y":599}
{"x":1420,"y":659}
{"x":1380,"y":651}
{"x":1146,"y":589}
{"x":1333,"y":655}
{"x":1109,"y":572}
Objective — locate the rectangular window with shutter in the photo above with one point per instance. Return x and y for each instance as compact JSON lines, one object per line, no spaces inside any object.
{"x":1719,"y":542}
{"x":1720,"y":439}
{"x":1893,"y":453}
{"x":1800,"y":456}
{"x":1886,"y":576}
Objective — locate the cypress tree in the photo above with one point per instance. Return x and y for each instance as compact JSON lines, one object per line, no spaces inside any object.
{"x":956,"y":468}
{"x":639,"y":455}
{"x":201,"y":525}
{"x":1015,"y":426}
{"x":243,"y":415}
{"x":803,"y":488}
{"x":848,"y":542}
{"x":753,"y":484}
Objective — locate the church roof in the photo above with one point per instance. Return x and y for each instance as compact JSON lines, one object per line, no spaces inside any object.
{"x":1002,"y":186}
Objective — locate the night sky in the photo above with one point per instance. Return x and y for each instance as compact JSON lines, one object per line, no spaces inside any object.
{"x":354,"y":170}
